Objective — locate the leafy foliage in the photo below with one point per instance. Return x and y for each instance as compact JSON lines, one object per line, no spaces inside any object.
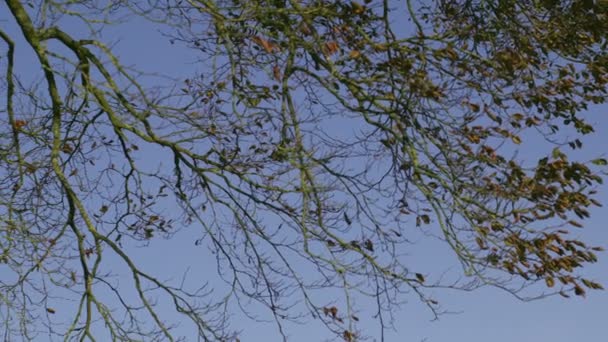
{"x":318,"y":137}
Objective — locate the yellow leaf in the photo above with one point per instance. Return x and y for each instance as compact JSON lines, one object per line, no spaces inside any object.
{"x":354,"y":54}
{"x":518,"y":116}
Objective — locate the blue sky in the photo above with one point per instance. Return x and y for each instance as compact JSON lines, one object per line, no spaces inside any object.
{"x":483,"y":315}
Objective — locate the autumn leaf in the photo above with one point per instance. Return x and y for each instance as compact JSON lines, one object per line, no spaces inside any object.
{"x":276,"y":72}
{"x":67,"y":148}
{"x":474,"y":138}
{"x":473,"y":106}
{"x":358,"y":8}
{"x":88,"y":252}
{"x":330,"y":311}
{"x":354,"y":54}
{"x":305,"y":29}
{"x":517,"y":116}
{"x":19,"y":124}
{"x":50,"y":310}
{"x":265,"y":44}
{"x":480,"y":243}
{"x":592,"y":285}
{"x":330,"y":48}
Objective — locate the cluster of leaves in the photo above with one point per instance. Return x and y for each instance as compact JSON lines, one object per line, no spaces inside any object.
{"x":319,"y":136}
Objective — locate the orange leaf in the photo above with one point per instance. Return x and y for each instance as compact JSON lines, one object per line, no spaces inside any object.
{"x":329,"y":48}
{"x":268,"y":46}
{"x":19,"y":123}
{"x":276,"y":72}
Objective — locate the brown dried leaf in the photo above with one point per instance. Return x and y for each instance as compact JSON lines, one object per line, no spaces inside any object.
{"x":265,"y":44}
{"x":330,"y":48}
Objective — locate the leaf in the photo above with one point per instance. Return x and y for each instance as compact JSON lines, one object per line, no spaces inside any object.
{"x":516,"y":139}
{"x":50,"y":310}
{"x":347,"y":219}
{"x":19,"y":124}
{"x":67,"y":148}
{"x":330,"y":311}
{"x":556,"y":153}
{"x":88,"y":252}
{"x":480,"y":243}
{"x":420,"y":277}
{"x":592,"y":285}
{"x":254,"y":101}
{"x":265,"y":44}
{"x":103,"y":209}
{"x":330,"y":48}
{"x":354,"y":54}
{"x":305,"y":29}
{"x":550,"y":282}
{"x":517,"y":116}
{"x":474,"y":107}
{"x":474,"y":138}
{"x":493,"y":117}
{"x":358,"y":8}
{"x":276,"y":72}
{"x":600,"y":162}
{"x":369,"y":245}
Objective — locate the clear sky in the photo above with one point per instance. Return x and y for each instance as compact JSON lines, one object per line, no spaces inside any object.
{"x":480,"y":316}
